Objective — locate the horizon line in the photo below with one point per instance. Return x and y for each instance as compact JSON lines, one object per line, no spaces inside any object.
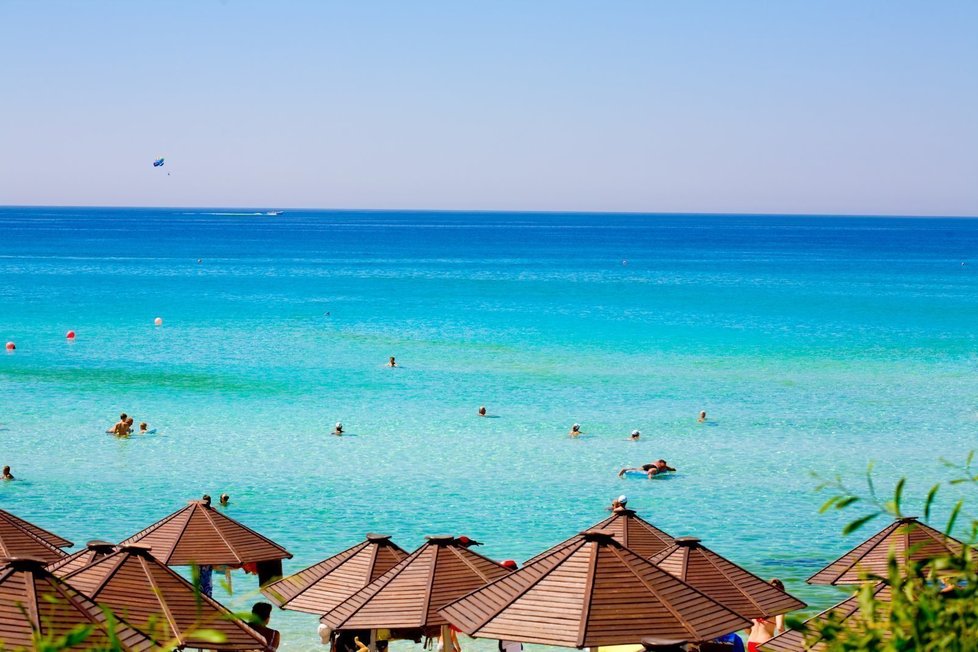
{"x":497,"y":211}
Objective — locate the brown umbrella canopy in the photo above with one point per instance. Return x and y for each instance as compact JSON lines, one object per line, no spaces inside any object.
{"x":846,"y":612}
{"x":724,"y":581}
{"x":631,"y":531}
{"x":200,"y":534}
{"x":907,"y":538}
{"x":160,"y":602}
{"x":19,"y":538}
{"x":32,"y":599}
{"x":323,"y":586}
{"x":93,"y":550}
{"x":410,"y":594}
{"x":592,"y":592}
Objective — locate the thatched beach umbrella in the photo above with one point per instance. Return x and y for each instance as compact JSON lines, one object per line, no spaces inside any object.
{"x":629,"y":529}
{"x":20,"y":538}
{"x":592,"y":592}
{"x":409,"y":595}
{"x":161,"y":603}
{"x":92,"y":551}
{"x":199,"y":534}
{"x":846,"y":612}
{"x":732,"y":586}
{"x":33,"y":600}
{"x":907,"y":538}
{"x":323,"y":586}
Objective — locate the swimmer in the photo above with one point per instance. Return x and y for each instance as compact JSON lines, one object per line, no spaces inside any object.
{"x":129,"y":423}
{"x":199,"y":261}
{"x":619,"y":504}
{"x":575,"y":430}
{"x":119,"y":426}
{"x":338,"y":429}
{"x":225,"y":499}
{"x":206,"y":500}
{"x":6,"y":475}
{"x":651,"y":470}
{"x":392,"y":363}
{"x":702,"y":418}
{"x":482,"y":411}
{"x":144,"y":428}
{"x":634,"y":436}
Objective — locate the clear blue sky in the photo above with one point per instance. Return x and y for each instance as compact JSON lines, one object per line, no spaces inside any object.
{"x":837,"y":106}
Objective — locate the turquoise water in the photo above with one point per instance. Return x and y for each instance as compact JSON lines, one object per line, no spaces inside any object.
{"x":815,"y":344}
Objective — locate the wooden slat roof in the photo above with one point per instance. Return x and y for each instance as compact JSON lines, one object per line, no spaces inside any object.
{"x":732,"y":586}
{"x":31,"y":598}
{"x":199,"y":534}
{"x":93,"y":550}
{"x":902,"y":536}
{"x":159,"y":602}
{"x":846,"y":611}
{"x":631,"y":530}
{"x":323,"y":586}
{"x":20,"y":538}
{"x":592,"y":592}
{"x":410,"y":594}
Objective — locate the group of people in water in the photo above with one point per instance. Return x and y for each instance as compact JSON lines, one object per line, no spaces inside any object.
{"x":123,"y":427}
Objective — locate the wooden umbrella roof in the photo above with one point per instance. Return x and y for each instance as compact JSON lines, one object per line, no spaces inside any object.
{"x":410,"y":594}
{"x":592,"y":592}
{"x":631,"y":530}
{"x":32,"y":599}
{"x":323,"y":586}
{"x":200,"y":534}
{"x":160,"y":602}
{"x":93,"y":550}
{"x":846,"y":612}
{"x":907,"y":538}
{"x":20,"y":538}
{"x":724,"y":581}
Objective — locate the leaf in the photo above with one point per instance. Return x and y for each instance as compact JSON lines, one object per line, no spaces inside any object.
{"x":209,"y":635}
{"x":930,"y":501}
{"x":869,"y":479}
{"x":858,"y":523}
{"x":954,"y":517}
{"x":898,"y":495}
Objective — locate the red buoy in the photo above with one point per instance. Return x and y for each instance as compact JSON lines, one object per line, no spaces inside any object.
{"x":70,"y":335}
{"x":11,"y":346}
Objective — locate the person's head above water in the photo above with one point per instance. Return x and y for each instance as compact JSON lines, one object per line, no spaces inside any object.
{"x":338,"y":426}
{"x":482,"y":411}
{"x":576,"y":427}
{"x":703,"y":415}
{"x":123,"y":416}
{"x":225,"y":499}
{"x":392,"y":363}
{"x":143,"y":426}
{"x":6,"y":473}
{"x":636,"y":434}
{"x":206,"y":499}
{"x":130,"y":420}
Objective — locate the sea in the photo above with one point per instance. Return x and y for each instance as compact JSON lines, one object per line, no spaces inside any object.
{"x":817,"y":346}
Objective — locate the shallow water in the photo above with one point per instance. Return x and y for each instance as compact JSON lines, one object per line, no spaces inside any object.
{"x":815,"y":344}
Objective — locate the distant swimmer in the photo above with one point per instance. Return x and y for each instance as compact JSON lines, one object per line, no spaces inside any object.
{"x":7,"y":475}
{"x":575,"y":430}
{"x":199,"y":261}
{"x":482,"y":411}
{"x":702,"y":418}
{"x":144,"y":428}
{"x":624,"y":262}
{"x":129,"y":423}
{"x":652,"y":469}
{"x":392,"y":362}
{"x":338,"y":429}
{"x":121,"y":428}
{"x":225,"y":499}
{"x":619,"y":504}
{"x":634,"y":436}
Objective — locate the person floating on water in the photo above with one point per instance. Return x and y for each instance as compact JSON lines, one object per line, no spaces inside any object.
{"x":634,"y":436}
{"x":338,"y":429}
{"x":392,"y":362}
{"x":651,"y":470}
{"x":702,"y":418}
{"x":6,"y":475}
{"x":482,"y":411}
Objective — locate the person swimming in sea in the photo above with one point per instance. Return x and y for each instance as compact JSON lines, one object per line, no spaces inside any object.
{"x":144,"y":428}
{"x":702,"y":418}
{"x":225,"y":499}
{"x":482,"y":411}
{"x":651,"y":469}
{"x":6,"y":475}
{"x":634,"y":436}
{"x":338,"y":429}
{"x":619,"y":504}
{"x":575,"y":430}
{"x":119,"y":429}
{"x":392,"y":362}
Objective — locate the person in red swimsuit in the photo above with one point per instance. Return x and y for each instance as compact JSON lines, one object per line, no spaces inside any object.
{"x":763,"y":630}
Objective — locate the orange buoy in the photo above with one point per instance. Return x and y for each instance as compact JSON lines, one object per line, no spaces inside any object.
{"x":70,"y":335}
{"x":11,"y":346}
{"x":158,"y":321}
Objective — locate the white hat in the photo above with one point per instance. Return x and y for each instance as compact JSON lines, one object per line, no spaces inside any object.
{"x":576,"y":426}
{"x":623,"y":499}
{"x":636,"y":432}
{"x":339,"y":425}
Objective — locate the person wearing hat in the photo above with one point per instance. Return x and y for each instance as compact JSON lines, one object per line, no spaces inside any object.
{"x":634,"y":436}
{"x":338,"y":429}
{"x":619,"y":504}
{"x":575,"y":430}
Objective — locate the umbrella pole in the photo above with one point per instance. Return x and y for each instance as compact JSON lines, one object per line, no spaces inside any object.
{"x":446,"y":639}
{"x":373,"y":641}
